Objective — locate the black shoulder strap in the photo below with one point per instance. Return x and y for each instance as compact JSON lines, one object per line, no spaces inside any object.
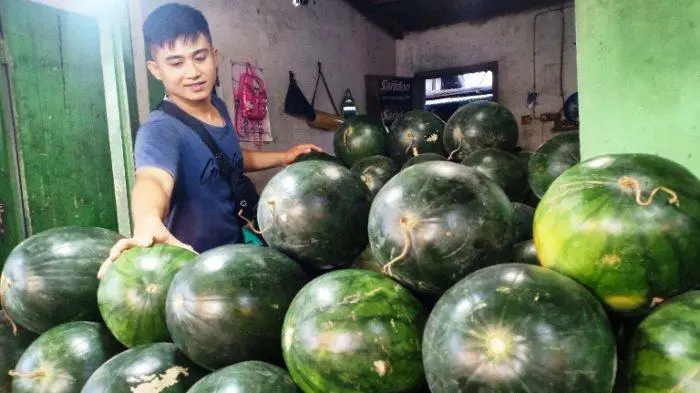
{"x":221,"y":159}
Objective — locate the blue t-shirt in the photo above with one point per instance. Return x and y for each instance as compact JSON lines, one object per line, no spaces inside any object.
{"x":202,"y":213}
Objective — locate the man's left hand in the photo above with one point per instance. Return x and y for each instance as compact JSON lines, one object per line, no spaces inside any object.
{"x":293,"y":153}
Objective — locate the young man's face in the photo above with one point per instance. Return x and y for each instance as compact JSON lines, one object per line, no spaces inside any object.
{"x":187,"y":70}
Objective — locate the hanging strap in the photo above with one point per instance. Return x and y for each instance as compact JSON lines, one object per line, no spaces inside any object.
{"x":321,"y":77}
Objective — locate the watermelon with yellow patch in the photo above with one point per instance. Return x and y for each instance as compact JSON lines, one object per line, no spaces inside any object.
{"x":626,"y":226}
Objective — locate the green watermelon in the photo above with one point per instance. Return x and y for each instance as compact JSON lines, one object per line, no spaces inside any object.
{"x":518,"y":328}
{"x":665,"y":350}
{"x":132,"y":293}
{"x":416,"y":132}
{"x":522,"y":221}
{"x":151,"y":368}
{"x":502,"y":167}
{"x":354,"y":331}
{"x":228,"y":306}
{"x":51,"y":277}
{"x":423,"y":157}
{"x":525,"y":252}
{"x":315,"y":155}
{"x":315,"y":212}
{"x":551,"y":159}
{"x":247,"y":377}
{"x":436,"y":222}
{"x":361,"y":136}
{"x":479,"y":125}
{"x":375,"y":171}
{"x":12,"y":346}
{"x":625,"y":226}
{"x":62,"y":359}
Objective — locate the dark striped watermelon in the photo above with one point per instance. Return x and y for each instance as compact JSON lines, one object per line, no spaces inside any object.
{"x":151,"y":368}
{"x":520,"y":329}
{"x":247,"y":377}
{"x":375,"y":171}
{"x":525,"y":252}
{"x":315,"y":155}
{"x":436,"y":222}
{"x":665,"y":349}
{"x":416,"y":132}
{"x":51,"y":277}
{"x":354,"y":331}
{"x":315,"y":212}
{"x":502,"y":167}
{"x":132,"y":293}
{"x":12,"y":346}
{"x":228,"y":306}
{"x":625,"y":226}
{"x":551,"y":159}
{"x":360,"y":137}
{"x":424,"y":157}
{"x":480,"y":125}
{"x":522,"y":221}
{"x":62,"y":359}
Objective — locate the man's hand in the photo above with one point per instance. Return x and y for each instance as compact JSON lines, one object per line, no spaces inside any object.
{"x":293,"y":153}
{"x":152,"y":231}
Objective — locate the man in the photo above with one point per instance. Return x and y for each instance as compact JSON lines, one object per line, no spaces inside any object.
{"x":180,"y":197}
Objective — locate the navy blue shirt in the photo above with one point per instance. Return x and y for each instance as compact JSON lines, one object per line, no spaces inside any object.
{"x":202,"y":213}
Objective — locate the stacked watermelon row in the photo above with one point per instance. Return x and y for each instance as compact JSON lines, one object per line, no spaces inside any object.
{"x":395,"y":273}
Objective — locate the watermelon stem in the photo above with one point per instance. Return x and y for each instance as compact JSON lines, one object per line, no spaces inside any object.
{"x":449,"y":158}
{"x":5,"y":286}
{"x":250,"y":225}
{"x":632,"y":183}
{"x":33,"y":374}
{"x":406,"y":247}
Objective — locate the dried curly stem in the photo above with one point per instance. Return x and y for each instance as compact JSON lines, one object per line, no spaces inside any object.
{"x":406,"y":247}
{"x":33,"y":374}
{"x":632,"y":183}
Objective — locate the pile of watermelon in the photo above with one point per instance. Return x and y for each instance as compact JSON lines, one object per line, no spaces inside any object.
{"x":426,"y":257}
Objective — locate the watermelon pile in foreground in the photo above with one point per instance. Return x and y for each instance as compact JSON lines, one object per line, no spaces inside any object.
{"x":63,"y":265}
{"x":149,"y":368}
{"x":315,"y":212}
{"x":354,"y":331}
{"x":228,"y":305}
{"x":414,"y":133}
{"x":247,"y":377}
{"x":625,"y":226}
{"x":665,"y":350}
{"x":480,"y":125}
{"x":359,"y":137}
{"x":436,"y":222}
{"x":551,"y":159}
{"x":521,"y":329}
{"x":132,"y":293}
{"x":63,"y":358}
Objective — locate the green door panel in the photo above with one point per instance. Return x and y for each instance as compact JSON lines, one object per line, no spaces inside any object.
{"x":11,"y":231}
{"x":58,"y":92}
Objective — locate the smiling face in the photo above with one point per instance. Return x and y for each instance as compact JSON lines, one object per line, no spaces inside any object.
{"x":187,"y":68}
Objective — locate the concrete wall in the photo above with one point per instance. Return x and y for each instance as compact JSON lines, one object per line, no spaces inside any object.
{"x":508,"y":40}
{"x":639,"y":78}
{"x":277,"y":37}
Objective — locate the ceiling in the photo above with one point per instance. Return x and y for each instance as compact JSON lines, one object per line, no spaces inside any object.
{"x":398,"y":17}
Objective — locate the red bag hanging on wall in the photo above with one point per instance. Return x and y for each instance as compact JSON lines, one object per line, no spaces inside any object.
{"x":252,"y":95}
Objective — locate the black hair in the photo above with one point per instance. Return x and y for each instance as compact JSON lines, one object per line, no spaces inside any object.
{"x":169,"y":22}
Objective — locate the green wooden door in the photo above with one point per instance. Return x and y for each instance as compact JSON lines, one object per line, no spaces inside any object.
{"x":60,"y":117}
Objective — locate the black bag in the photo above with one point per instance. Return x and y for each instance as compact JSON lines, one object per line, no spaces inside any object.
{"x":296,"y":104}
{"x":242,"y":189}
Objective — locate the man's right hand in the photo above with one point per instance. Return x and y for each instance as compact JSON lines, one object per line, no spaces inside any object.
{"x":150,"y":232}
